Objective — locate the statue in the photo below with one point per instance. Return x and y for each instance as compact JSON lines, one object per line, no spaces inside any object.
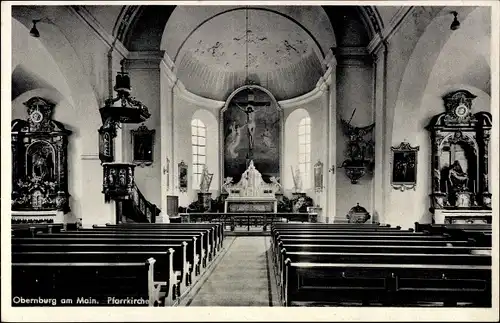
{"x":251,"y":184}
{"x":297,"y":180}
{"x":206,"y":180}
{"x":227,"y":181}
{"x":358,"y":149}
{"x":458,"y":178}
{"x":276,"y":184}
{"x":300,"y":202}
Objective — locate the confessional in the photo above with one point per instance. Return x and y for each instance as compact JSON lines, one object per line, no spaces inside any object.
{"x":459,"y":141}
{"x":39,"y":166}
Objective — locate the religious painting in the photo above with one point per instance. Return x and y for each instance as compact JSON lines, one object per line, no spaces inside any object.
{"x":143,"y":145}
{"x":251,"y":131}
{"x":183,"y":177}
{"x":404,"y":166}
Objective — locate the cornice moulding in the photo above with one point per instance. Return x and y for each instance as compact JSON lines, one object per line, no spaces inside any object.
{"x":301,"y":100}
{"x":183,"y":93}
{"x":352,"y":51}
{"x":145,"y":59}
{"x":89,"y":156}
{"x":84,"y":15}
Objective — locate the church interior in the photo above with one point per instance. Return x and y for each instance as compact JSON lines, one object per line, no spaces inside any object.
{"x":338,"y":155}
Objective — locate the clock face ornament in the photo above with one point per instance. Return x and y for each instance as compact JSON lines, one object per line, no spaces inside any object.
{"x":461,"y":110}
{"x":36,"y":116}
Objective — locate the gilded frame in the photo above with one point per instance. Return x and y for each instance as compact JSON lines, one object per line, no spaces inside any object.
{"x":143,"y":140}
{"x":404,"y":160}
{"x":183,"y":177}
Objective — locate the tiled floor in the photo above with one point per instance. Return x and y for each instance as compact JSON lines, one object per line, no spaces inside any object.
{"x":241,"y":278}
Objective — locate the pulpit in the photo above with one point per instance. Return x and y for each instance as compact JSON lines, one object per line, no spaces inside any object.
{"x":459,"y":141}
{"x":251,"y":194}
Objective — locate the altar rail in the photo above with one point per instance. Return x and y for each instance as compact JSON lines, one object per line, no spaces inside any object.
{"x":248,"y":220}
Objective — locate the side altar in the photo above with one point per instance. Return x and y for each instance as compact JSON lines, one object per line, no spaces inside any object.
{"x":251,"y":194}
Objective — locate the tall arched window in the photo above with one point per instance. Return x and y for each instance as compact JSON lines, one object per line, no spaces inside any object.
{"x":198,"y":143}
{"x":304,"y":141}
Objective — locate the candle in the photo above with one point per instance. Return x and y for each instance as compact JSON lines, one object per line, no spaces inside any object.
{"x":446,"y":187}
{"x":474,"y":186}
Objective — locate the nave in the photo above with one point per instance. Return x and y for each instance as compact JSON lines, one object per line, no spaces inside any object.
{"x":300,"y":264}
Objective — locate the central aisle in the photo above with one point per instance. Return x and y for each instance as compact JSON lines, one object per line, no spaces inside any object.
{"x":241,"y":278}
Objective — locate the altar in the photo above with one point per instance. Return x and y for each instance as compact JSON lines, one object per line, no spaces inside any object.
{"x":251,"y":194}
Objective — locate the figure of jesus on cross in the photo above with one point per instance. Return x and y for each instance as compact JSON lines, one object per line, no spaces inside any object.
{"x":250,"y":112}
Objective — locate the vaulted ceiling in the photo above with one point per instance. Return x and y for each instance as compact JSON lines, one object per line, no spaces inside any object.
{"x":216,"y":49}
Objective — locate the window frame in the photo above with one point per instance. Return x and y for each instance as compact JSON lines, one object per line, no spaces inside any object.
{"x":304,"y":150}
{"x":198,"y":150}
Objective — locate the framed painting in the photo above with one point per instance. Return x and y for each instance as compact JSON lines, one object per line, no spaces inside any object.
{"x":183,"y":177}
{"x":143,"y":145}
{"x":251,"y":131}
{"x":106,"y":144}
{"x":404,"y":166}
{"x":318,"y":177}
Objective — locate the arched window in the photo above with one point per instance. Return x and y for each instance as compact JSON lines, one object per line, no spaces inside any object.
{"x":198,"y":143}
{"x":304,"y":140}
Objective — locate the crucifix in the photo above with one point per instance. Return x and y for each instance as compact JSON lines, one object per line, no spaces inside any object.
{"x":249,"y":107}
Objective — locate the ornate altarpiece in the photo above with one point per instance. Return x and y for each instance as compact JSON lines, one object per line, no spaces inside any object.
{"x":459,"y":141}
{"x":39,"y":165}
{"x":251,"y":193}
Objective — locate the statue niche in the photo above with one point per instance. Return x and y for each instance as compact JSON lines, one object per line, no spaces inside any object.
{"x":39,"y":159}
{"x":459,"y":141}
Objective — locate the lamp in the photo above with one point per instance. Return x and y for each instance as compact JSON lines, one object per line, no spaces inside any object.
{"x":455,"y":24}
{"x":34,"y":31}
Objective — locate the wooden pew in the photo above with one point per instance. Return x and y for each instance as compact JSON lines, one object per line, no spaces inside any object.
{"x":381,"y":258}
{"x":361,"y":242}
{"x":203,"y":243}
{"x":181,"y":264}
{"x":164,"y":277}
{"x":206,"y":237}
{"x":218,"y":227}
{"x":216,"y":230}
{"x":352,"y":236}
{"x":438,"y":227}
{"x":196,"y":254}
{"x":339,"y":226}
{"x":47,"y":284}
{"x":29,"y":230}
{"x":388,"y":284}
{"x":375,"y":248}
{"x":481,"y":233}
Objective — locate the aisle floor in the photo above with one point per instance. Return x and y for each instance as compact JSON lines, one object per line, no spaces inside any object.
{"x":242,"y":277}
